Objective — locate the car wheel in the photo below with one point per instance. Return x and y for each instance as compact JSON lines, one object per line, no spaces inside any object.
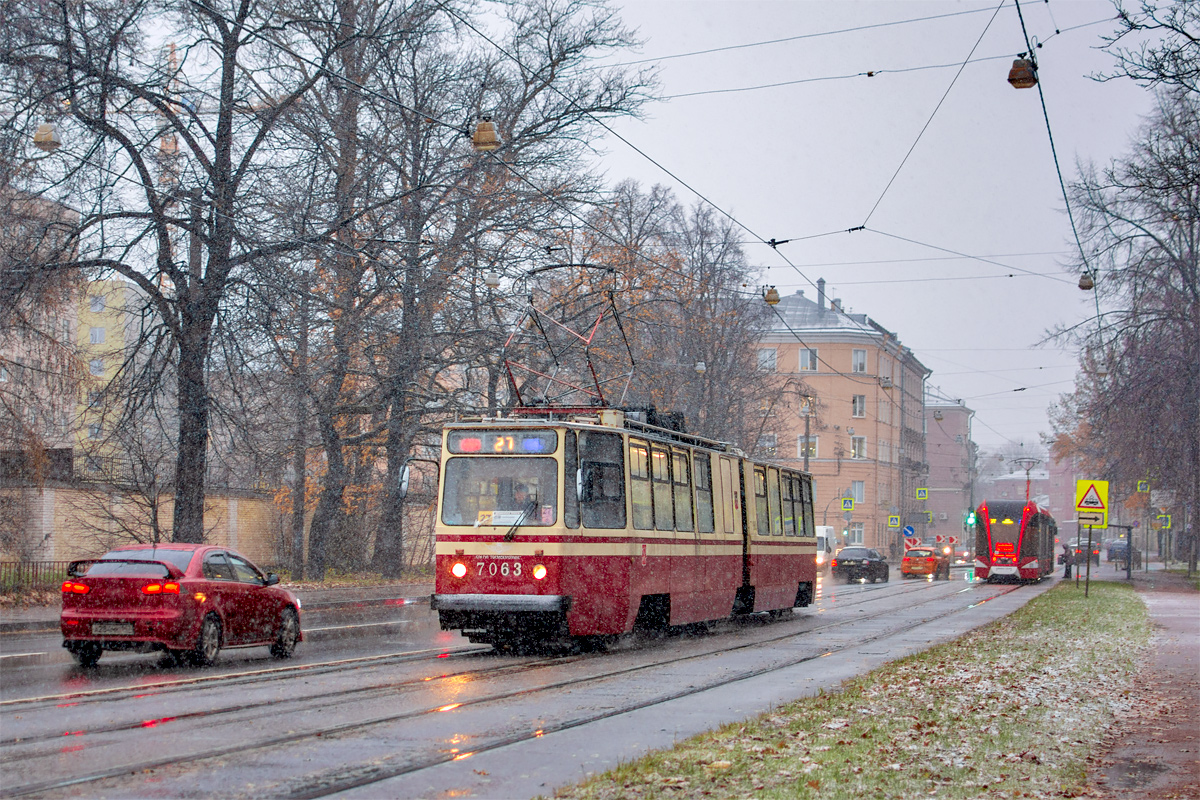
{"x":886,"y":575}
{"x":208,"y":643}
{"x":86,"y":654}
{"x":288,"y":634}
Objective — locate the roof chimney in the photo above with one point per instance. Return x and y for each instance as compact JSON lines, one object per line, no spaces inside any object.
{"x":821,"y":293}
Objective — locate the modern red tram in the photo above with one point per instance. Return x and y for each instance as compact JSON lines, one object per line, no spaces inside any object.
{"x":592,"y":524}
{"x":1014,"y":541}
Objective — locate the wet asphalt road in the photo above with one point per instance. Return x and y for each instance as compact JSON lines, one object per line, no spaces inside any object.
{"x":396,"y":708}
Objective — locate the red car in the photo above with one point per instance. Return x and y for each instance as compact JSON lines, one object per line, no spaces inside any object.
{"x":188,"y":600}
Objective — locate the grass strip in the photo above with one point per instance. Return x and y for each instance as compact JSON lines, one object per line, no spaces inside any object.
{"x":1012,"y":709}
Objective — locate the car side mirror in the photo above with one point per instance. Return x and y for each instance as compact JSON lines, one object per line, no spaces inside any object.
{"x":272,"y":579}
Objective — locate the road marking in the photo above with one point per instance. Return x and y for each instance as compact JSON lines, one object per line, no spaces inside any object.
{"x":24,"y":655}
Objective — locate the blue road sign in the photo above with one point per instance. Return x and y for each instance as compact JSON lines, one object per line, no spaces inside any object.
{"x":909,"y":531}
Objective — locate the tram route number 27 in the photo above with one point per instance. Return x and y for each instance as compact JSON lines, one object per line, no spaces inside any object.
{"x":505,"y":569}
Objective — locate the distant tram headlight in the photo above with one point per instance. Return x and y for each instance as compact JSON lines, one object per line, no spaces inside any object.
{"x":539,"y":572}
{"x":459,"y":569}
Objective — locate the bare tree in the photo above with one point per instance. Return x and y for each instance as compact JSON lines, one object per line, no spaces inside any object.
{"x":1136,"y":412}
{"x":1156,"y":44}
{"x":173,"y":148}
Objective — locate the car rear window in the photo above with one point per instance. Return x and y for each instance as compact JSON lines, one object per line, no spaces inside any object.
{"x":855,"y":552}
{"x":919,"y":553}
{"x":180,"y":558}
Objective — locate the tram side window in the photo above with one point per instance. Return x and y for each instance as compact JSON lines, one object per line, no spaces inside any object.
{"x":704,"y":493}
{"x":570,"y":487}
{"x":602,"y":480}
{"x":760,"y":501}
{"x":788,"y":484}
{"x":773,"y":501}
{"x":639,"y":486}
{"x":683,"y":491}
{"x":806,"y":499}
{"x":660,"y":470}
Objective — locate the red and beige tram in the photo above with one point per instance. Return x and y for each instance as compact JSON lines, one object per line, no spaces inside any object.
{"x":1014,"y":541}
{"x":593,"y":523}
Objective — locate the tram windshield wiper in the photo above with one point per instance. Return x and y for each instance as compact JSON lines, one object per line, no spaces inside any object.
{"x":530,"y":507}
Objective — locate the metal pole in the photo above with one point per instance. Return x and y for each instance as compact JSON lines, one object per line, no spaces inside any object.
{"x":1088,"y":581}
{"x":807,"y":446}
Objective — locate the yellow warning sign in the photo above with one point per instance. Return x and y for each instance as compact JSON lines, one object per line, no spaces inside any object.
{"x":1091,"y":502}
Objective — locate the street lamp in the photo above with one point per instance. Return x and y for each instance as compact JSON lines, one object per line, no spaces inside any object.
{"x":485,"y":138}
{"x":1023,"y":74}
{"x":46,"y":138}
{"x":771,"y":296}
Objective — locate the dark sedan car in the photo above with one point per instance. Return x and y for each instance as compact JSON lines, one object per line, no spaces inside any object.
{"x":185,"y":599}
{"x":859,"y":563}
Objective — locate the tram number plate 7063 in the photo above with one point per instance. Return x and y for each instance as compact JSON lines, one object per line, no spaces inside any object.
{"x":504,"y":569}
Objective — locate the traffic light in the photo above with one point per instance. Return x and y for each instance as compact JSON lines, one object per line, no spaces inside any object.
{"x":971,"y":518}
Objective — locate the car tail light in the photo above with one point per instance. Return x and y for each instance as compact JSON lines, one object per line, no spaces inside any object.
{"x":539,"y":572}
{"x":833,"y":563}
{"x":161,"y":588}
{"x":70,"y":587}
{"x":459,"y":569}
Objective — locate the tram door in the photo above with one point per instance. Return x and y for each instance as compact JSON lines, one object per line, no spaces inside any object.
{"x":731,"y":523}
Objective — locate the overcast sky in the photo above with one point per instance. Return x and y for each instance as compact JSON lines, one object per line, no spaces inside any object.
{"x":816,"y":157}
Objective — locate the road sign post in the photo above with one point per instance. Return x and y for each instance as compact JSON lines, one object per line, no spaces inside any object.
{"x":1091,"y":509}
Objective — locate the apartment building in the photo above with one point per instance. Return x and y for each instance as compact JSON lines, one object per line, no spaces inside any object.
{"x":850,"y":409}
{"x":952,"y":466}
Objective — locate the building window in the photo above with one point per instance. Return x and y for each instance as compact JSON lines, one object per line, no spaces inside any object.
{"x":96,"y":366}
{"x":812,"y":446}
{"x":3,"y":374}
{"x":858,"y":361}
{"x":858,"y":490}
{"x":766,"y":444}
{"x":92,"y":464}
{"x":96,"y":335}
{"x":856,"y":533}
{"x":96,"y":304}
{"x":93,"y":431}
{"x":885,"y":451}
{"x":858,"y":447}
{"x":66,"y":329}
{"x":93,"y":398}
{"x":766,"y":359}
{"x":808,"y":360}
{"x":858,"y":405}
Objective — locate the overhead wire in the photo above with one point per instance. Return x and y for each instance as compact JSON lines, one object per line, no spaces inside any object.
{"x":929,"y":121}
{"x":797,"y":38}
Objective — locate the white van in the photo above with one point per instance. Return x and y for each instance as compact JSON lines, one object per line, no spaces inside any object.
{"x":824,"y":545}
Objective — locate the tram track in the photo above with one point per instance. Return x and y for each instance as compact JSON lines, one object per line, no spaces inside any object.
{"x":338,"y":783}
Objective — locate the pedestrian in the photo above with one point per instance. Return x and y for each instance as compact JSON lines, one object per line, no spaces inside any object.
{"x":1068,"y":559}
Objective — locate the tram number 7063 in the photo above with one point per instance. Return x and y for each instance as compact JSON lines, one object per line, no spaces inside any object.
{"x":504,"y":569}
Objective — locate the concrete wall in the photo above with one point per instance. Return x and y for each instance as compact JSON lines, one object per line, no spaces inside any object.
{"x":60,"y":524}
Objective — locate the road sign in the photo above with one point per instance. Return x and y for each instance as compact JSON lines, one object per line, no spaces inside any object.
{"x":1143,"y":487}
{"x":1091,"y":502}
{"x":939,"y":539}
{"x":894,"y":521}
{"x":910,"y":531}
{"x":847,"y":504}
{"x":953,"y":540}
{"x":922,"y":494}
{"x":1164,"y":522}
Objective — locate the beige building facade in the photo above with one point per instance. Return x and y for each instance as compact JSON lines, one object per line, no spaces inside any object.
{"x":951,"y":455}
{"x":849,"y":409}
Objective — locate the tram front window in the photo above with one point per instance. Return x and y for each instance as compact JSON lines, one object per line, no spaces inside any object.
{"x":500,"y":491}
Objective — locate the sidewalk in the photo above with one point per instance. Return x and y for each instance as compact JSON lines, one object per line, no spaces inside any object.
{"x":1154,"y":753}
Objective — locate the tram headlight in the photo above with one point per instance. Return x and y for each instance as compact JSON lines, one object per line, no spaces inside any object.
{"x":459,"y":569}
{"x":539,"y":572}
